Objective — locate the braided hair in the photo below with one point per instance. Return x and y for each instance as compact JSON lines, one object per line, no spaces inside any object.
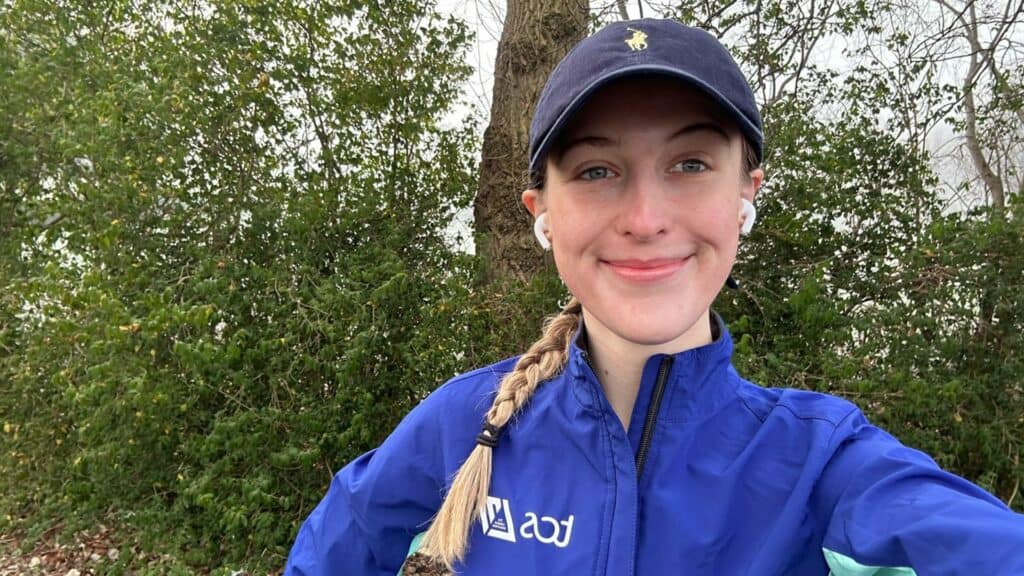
{"x":446,"y":540}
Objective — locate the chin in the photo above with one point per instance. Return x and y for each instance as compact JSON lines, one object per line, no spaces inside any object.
{"x":658,"y":335}
{"x":665,"y":317}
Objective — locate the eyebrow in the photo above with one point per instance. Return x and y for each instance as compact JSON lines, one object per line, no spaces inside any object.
{"x":700,"y":127}
{"x":596,"y":141}
{"x":604,"y":141}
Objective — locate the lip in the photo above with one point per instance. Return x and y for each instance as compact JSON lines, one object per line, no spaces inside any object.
{"x":637,"y":270}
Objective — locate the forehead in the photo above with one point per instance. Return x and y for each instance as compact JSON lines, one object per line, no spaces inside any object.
{"x":645,"y":100}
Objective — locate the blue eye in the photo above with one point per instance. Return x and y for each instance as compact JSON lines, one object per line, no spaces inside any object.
{"x":596,"y":173}
{"x":690,"y":165}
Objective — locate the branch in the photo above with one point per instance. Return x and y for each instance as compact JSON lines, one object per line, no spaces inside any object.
{"x":623,"y":13}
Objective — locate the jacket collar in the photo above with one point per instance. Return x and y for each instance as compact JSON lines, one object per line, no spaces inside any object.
{"x":699,"y":381}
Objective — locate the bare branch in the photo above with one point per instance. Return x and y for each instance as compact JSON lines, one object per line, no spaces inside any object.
{"x":623,"y":12}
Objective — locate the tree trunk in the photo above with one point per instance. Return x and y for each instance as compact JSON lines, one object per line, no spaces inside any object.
{"x":536,"y":35}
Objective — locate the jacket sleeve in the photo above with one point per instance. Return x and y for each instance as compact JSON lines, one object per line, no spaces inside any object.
{"x":377,"y":503}
{"x":896,"y":513}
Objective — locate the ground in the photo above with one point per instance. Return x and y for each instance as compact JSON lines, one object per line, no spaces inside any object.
{"x":88,"y":553}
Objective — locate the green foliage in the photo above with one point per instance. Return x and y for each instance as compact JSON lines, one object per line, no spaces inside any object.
{"x":955,"y":380}
{"x":843,"y":206}
{"x":225,"y":248}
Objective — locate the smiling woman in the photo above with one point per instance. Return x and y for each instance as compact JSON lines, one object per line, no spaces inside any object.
{"x":642,"y":207}
{"x":623,"y":441}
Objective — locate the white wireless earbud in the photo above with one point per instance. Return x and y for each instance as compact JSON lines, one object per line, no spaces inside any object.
{"x":749,"y":214}
{"x":540,"y":226}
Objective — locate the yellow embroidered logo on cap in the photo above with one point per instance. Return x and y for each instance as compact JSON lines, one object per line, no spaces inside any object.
{"x":638,"y":41}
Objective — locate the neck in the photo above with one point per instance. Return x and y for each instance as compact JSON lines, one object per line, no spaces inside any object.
{"x":619,"y":363}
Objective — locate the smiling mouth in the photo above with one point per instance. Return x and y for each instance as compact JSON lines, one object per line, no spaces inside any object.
{"x":646,"y":270}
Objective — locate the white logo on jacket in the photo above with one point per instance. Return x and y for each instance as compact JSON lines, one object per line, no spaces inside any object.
{"x":496,"y":520}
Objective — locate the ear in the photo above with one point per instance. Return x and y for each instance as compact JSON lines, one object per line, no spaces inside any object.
{"x":753,"y":184}
{"x":748,"y":214}
{"x":534,"y":201}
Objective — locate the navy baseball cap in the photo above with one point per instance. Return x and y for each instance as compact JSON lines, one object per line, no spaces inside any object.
{"x":646,"y":47}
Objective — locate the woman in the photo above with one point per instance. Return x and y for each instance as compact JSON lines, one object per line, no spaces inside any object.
{"x":623,"y":441}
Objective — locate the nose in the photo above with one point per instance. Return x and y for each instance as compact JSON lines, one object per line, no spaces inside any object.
{"x":645,"y":210}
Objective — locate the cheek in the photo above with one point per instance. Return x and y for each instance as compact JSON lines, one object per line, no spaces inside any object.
{"x":569,"y":239}
{"x":573,"y":242}
{"x":716,"y":222}
{"x":571,"y":229}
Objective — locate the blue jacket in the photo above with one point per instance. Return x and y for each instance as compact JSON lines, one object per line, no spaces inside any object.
{"x":730,"y":479}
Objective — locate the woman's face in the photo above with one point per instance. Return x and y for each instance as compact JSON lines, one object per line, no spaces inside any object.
{"x":643,"y":202}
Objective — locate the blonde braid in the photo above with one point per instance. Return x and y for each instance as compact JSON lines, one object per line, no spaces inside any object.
{"x":446,"y":540}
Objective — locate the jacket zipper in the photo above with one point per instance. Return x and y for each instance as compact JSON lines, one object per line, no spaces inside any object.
{"x":648,"y":432}
{"x":652,"y":410}
{"x":652,"y":415}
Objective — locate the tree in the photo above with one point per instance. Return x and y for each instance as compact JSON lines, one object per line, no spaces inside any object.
{"x":536,"y":35}
{"x":224,"y":238}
